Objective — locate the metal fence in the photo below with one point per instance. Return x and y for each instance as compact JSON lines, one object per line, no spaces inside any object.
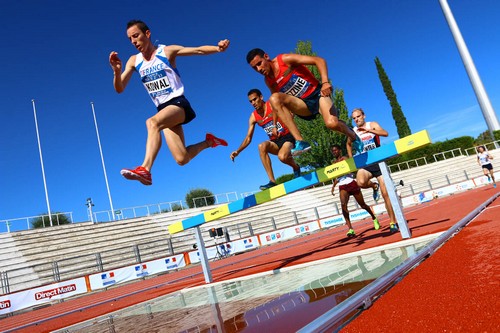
{"x":25,"y":223}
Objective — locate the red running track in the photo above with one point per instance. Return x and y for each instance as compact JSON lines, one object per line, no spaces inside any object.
{"x":455,"y":290}
{"x":435,"y":216}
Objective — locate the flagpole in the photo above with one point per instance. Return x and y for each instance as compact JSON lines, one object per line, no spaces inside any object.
{"x":102,"y":160}
{"x":41,"y":162}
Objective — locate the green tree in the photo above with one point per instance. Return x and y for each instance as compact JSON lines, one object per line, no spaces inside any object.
{"x":485,"y":137}
{"x":315,"y":131}
{"x":199,"y":197}
{"x":43,"y":220}
{"x":397,"y":114}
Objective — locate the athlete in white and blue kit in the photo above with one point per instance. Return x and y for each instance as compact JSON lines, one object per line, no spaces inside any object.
{"x":160,"y":76}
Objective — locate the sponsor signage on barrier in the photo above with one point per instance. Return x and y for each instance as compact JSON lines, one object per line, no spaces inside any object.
{"x":226,"y":249}
{"x":41,"y":295}
{"x":288,"y":233}
{"x":331,"y":221}
{"x":137,"y":271}
{"x":358,"y":214}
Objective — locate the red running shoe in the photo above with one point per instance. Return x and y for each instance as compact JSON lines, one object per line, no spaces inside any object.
{"x":214,"y":140}
{"x":139,"y":173}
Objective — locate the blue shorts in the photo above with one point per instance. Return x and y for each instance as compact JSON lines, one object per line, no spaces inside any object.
{"x":182,"y":102}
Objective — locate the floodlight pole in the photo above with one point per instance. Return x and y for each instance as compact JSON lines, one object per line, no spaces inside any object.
{"x":481,"y":95}
{"x":102,"y":160}
{"x":41,"y":162}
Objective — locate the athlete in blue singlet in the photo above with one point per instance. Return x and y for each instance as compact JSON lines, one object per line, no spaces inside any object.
{"x":160,"y":77}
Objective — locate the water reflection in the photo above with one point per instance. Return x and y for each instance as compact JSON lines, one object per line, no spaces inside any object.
{"x":281,"y":301}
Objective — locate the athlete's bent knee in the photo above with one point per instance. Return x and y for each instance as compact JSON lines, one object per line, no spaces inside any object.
{"x":332,"y":123}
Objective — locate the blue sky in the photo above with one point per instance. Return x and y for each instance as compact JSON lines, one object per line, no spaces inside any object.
{"x":56,"y":52}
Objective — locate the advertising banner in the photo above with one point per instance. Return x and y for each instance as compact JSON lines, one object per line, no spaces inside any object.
{"x":41,"y":295}
{"x":288,"y":233}
{"x":137,"y":271}
{"x":226,"y":249}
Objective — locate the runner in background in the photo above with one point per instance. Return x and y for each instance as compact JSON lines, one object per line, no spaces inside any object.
{"x":484,"y":160}
{"x":347,"y":187}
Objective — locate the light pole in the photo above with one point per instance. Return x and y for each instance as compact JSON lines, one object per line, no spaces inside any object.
{"x":89,"y":205}
{"x":102,"y":160}
{"x":41,"y":162}
{"x":481,"y":95}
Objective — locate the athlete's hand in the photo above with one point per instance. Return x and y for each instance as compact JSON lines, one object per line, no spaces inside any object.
{"x":233,"y":155}
{"x":326,"y":89}
{"x":276,"y":133}
{"x":115,"y":62}
{"x":223,"y":45}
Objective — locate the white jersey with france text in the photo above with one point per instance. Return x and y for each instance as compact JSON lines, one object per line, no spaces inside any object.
{"x":158,"y":77}
{"x":370,"y":140}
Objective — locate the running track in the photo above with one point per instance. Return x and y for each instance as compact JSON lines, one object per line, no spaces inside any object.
{"x":455,"y":290}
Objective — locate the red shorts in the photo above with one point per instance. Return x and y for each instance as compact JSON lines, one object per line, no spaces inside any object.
{"x":351,"y":188}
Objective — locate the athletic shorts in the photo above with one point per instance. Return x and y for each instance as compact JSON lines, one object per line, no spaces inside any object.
{"x":352,"y":188}
{"x":488,"y":166}
{"x":374,"y":170}
{"x":312,"y":102}
{"x":282,"y":139}
{"x":182,"y":102}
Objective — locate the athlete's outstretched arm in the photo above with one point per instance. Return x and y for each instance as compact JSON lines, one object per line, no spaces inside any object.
{"x":120,"y":80}
{"x":198,"y":50}
{"x":247,"y":140}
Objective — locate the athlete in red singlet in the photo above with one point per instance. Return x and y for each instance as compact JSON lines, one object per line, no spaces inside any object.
{"x":296,"y":90}
{"x":280,"y":140}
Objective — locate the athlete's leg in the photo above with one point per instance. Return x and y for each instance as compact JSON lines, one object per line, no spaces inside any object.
{"x":363,"y":178}
{"x":387,"y":200}
{"x":266,"y":148}
{"x":331,"y":119}
{"x":284,"y":105}
{"x":361,"y":201}
{"x":176,"y":143}
{"x":168,"y":117}
{"x":344,"y":200}
{"x":285,"y":155}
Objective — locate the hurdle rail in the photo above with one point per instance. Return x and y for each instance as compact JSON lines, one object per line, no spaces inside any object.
{"x":398,"y":147}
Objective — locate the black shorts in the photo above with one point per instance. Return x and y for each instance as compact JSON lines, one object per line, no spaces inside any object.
{"x":488,"y":166}
{"x":282,"y":139}
{"x":182,"y":102}
{"x":374,"y":170}
{"x":312,"y":102}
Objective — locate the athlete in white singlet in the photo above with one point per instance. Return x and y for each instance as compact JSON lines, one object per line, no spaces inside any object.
{"x":159,"y":75}
{"x":369,"y":132}
{"x":484,"y":160}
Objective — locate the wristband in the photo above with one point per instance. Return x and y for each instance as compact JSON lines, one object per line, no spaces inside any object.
{"x":322,"y":83}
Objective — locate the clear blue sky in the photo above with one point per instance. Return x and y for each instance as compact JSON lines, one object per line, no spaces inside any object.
{"x":56,"y":52}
